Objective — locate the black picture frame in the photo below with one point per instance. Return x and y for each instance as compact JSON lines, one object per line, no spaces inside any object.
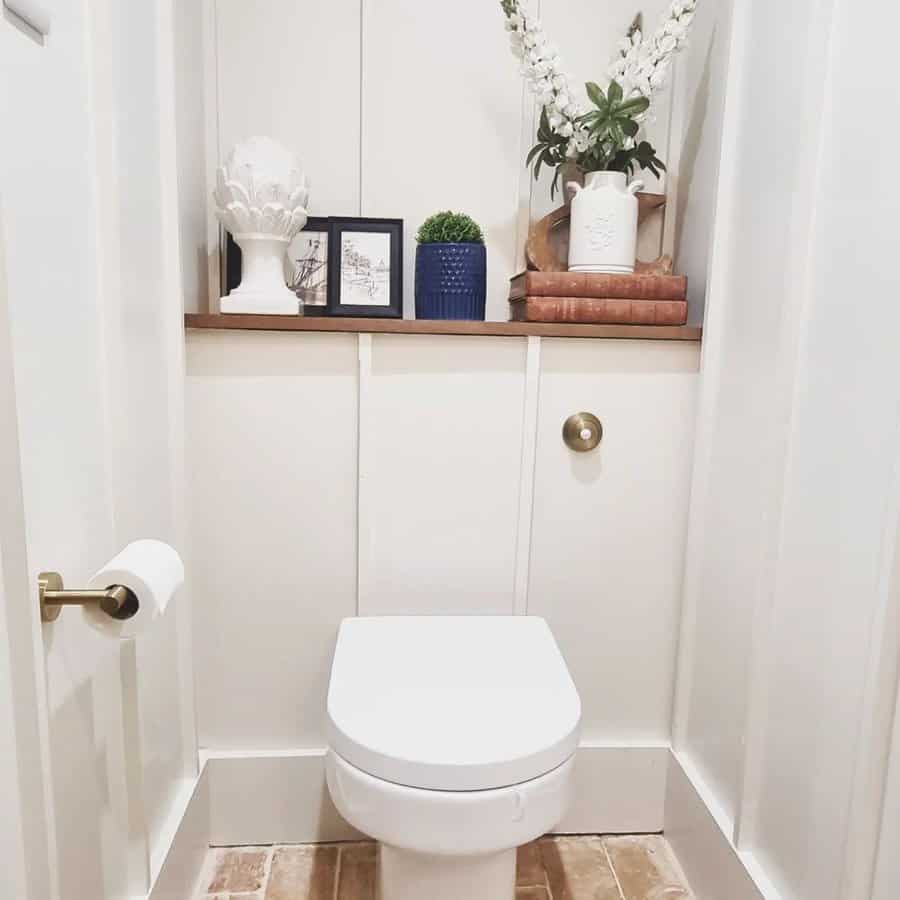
{"x":234,"y":261}
{"x":339,"y":281}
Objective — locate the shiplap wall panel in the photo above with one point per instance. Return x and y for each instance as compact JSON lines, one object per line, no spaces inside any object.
{"x":441,"y":126}
{"x":608,"y":526}
{"x":291,"y":70}
{"x":272,"y":456}
{"x":446,"y":447}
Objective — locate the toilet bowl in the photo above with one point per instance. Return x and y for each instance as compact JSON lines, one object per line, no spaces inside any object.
{"x":451,"y":743}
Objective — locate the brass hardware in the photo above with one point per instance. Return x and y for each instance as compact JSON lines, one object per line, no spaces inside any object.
{"x":582,"y":432}
{"x":116,"y":601}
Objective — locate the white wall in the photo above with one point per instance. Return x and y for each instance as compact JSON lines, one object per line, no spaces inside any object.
{"x":399,"y":109}
{"x":786,"y":660}
{"x":189,"y":40}
{"x":301,"y":457}
{"x":887,"y":875}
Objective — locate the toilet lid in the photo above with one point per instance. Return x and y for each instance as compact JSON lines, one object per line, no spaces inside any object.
{"x":460,"y":703}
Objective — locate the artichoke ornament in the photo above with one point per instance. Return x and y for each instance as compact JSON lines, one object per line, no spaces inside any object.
{"x":261,"y":191}
{"x":261,"y":197}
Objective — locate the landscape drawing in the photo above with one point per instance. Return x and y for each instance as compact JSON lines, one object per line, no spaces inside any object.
{"x":365,"y":268}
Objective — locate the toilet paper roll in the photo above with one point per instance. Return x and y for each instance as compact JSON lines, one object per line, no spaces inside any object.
{"x":152,"y":571}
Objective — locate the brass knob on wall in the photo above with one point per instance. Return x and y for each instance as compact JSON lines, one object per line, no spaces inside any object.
{"x":582,"y":432}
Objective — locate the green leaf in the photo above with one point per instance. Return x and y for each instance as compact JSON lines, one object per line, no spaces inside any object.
{"x":596,"y":95}
{"x":630,"y":127}
{"x":555,"y":183}
{"x":532,"y":153}
{"x":633,"y":107}
{"x":614,"y":93}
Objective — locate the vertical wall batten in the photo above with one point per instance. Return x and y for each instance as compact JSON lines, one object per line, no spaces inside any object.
{"x":526,"y":473}
{"x":364,"y":484}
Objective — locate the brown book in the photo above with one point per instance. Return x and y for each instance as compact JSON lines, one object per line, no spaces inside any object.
{"x":592,"y":284}
{"x":598,"y":311}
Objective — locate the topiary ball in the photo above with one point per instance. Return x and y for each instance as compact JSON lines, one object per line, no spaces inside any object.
{"x":450,"y":228}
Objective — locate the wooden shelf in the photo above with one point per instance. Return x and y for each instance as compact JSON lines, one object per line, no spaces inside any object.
{"x":239,"y":322}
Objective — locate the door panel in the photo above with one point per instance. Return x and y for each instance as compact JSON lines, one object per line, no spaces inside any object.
{"x":91,"y":326}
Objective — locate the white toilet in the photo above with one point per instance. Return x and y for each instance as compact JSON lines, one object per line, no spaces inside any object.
{"x":451,"y":743}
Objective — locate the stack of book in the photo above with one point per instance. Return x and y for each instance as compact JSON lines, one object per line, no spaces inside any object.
{"x":584,"y":297}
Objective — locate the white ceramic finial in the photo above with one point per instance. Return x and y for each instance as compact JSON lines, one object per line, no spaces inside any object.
{"x":261,"y":198}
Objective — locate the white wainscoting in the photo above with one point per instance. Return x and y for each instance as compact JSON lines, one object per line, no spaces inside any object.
{"x":444,"y":455}
{"x":701,"y":841}
{"x":789,"y":652}
{"x":188,"y":838}
{"x":281,"y":797}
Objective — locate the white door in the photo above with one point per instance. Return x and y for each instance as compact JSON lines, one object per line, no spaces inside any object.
{"x":90,"y":356}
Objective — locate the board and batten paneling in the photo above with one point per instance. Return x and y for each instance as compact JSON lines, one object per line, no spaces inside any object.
{"x":291,"y":70}
{"x":608,"y":526}
{"x":272,"y":457}
{"x":788,"y":661}
{"x":437,"y":489}
{"x":444,"y":465}
{"x":441,"y":126}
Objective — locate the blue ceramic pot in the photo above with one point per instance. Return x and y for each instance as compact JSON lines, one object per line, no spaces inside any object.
{"x":451,"y":281}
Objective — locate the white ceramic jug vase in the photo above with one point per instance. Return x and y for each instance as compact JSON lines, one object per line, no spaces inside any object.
{"x":603,"y":228}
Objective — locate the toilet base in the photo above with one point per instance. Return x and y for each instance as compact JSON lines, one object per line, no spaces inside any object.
{"x":407,"y":875}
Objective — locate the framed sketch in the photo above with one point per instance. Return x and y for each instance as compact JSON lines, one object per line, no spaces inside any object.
{"x":365,"y":268}
{"x":306,"y":266}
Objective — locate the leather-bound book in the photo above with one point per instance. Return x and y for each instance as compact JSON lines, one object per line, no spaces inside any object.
{"x":598,"y":311}
{"x":590,"y":284}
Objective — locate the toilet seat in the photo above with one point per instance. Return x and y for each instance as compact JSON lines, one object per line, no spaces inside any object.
{"x":451,"y":703}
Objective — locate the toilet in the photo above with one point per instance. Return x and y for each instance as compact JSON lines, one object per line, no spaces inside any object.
{"x":451,"y":743}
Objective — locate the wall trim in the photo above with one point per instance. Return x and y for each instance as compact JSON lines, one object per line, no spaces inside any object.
{"x":179,"y":860}
{"x":265,"y":797}
{"x":699,"y":834}
{"x":527,"y":473}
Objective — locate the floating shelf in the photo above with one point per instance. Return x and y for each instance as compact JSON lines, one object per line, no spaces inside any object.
{"x":239,"y":322}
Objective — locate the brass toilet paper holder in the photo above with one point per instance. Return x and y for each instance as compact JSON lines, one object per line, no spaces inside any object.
{"x":117,"y":601}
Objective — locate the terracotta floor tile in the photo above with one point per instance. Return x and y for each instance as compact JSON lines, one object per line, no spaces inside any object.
{"x":529,"y":866}
{"x":303,"y":873}
{"x":239,"y":870}
{"x":532,"y":893}
{"x":577,"y":869}
{"x":357,"y":872}
{"x":646,"y":868}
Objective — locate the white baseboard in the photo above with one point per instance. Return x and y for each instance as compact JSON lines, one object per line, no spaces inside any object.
{"x":182,"y":861}
{"x":714,"y":867}
{"x":263,"y":797}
